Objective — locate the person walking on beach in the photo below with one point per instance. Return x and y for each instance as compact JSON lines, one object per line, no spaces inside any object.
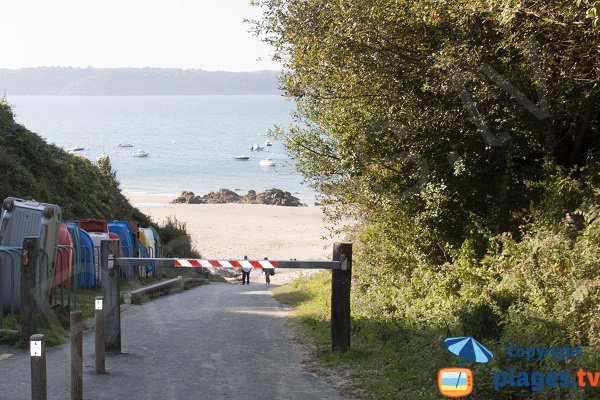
{"x":246,"y":273}
{"x":268,"y":272}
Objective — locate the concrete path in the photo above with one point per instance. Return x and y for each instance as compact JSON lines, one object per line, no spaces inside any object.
{"x":213,"y":342}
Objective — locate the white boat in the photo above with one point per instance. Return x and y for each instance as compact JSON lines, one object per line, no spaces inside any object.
{"x":139,"y":153}
{"x":268,"y":143}
{"x":241,"y":158}
{"x":267,"y":162}
{"x":76,"y":148}
{"x":125,"y":145}
{"x":256,"y":147}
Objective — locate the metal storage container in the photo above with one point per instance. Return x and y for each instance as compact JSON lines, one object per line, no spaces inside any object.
{"x":22,"y":218}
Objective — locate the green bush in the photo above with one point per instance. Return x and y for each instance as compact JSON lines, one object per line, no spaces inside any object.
{"x":176,"y":241}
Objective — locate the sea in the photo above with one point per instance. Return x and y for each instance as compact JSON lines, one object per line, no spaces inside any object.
{"x":191,"y":140}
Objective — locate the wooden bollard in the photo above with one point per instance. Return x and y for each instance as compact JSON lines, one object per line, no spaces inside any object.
{"x":76,"y":356}
{"x":100,"y":354}
{"x":1,"y":299}
{"x":37,"y":348}
{"x":341,"y":280}
{"x":29,"y":308}
{"x":111,"y":296}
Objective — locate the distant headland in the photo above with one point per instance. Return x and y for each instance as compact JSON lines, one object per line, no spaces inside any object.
{"x":58,"y":81}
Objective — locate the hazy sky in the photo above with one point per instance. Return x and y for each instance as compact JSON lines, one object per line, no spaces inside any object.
{"x":205,"y":34}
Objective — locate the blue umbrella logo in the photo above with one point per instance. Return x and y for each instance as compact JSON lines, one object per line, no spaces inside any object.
{"x":458,"y":382}
{"x":469,"y":349}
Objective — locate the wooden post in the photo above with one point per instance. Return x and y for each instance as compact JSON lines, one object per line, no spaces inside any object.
{"x":100,"y":356}
{"x":111,"y":296}
{"x":29,"y":259}
{"x":1,"y":294}
{"x":37,"y":348}
{"x":76,"y":356}
{"x":340,"y":297}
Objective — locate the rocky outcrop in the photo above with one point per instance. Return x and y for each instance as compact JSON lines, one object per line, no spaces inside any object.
{"x":221,"y":196}
{"x":187,"y":198}
{"x":275,"y":197}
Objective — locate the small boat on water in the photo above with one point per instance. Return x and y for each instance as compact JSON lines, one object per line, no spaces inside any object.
{"x":140,"y":153}
{"x":76,"y":148}
{"x":125,"y":145}
{"x":256,"y":147}
{"x":241,"y":158}
{"x":268,"y":143}
{"x":267,"y":162}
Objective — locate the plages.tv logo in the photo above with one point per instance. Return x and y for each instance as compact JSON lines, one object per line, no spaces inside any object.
{"x":458,"y":382}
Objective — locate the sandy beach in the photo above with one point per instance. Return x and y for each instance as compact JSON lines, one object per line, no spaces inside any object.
{"x":236,"y":230}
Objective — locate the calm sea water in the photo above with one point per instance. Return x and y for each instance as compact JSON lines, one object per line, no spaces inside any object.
{"x":191,"y":140}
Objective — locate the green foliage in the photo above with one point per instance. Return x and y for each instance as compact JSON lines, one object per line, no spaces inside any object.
{"x":387,"y":93}
{"x":592,"y":10}
{"x":463,"y":137}
{"x":33,"y":169}
{"x":175,"y":239}
{"x":398,"y":358}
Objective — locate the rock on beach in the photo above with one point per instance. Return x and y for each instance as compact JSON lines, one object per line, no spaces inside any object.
{"x":276,"y":197}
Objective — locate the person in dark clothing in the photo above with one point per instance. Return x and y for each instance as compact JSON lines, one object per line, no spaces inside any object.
{"x":268,"y":272}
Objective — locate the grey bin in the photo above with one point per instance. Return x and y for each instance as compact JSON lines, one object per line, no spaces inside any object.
{"x":22,"y":218}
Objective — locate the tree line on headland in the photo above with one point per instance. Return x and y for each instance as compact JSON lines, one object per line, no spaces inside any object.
{"x":135,"y":81}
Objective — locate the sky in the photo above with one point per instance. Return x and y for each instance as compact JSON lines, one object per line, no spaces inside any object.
{"x":200,"y":34}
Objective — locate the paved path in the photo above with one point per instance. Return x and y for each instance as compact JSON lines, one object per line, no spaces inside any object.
{"x":213,"y":342}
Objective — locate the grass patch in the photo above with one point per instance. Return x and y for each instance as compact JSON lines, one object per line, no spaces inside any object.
{"x":393,"y":360}
{"x":55,"y":325}
{"x":139,"y":299}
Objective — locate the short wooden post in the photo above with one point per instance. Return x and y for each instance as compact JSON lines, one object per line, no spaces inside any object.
{"x":111,"y":296}
{"x":100,"y":356}
{"x":76,"y":356}
{"x":37,"y":348}
{"x":1,"y":295}
{"x":29,"y":259}
{"x":340,"y":297}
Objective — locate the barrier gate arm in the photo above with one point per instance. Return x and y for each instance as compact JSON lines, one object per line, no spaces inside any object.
{"x":197,"y":263}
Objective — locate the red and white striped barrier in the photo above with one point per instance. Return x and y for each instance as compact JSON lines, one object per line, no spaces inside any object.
{"x":194,"y":263}
{"x":254,"y":264}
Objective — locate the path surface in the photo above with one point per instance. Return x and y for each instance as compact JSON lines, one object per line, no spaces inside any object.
{"x":213,"y":342}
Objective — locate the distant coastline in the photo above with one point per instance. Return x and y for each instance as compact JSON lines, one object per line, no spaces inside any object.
{"x":67,"y":81}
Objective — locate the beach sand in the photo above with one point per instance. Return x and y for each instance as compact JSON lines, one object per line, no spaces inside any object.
{"x":237,"y":230}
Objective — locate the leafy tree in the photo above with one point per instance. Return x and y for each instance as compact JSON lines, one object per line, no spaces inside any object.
{"x":106,"y":169}
{"x":450,"y":116}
